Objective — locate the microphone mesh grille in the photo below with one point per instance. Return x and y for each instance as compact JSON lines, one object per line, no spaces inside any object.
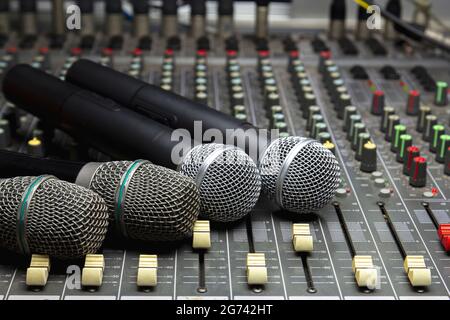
{"x":160,"y":203}
{"x":64,"y":220}
{"x":311,"y":180}
{"x":231,"y":184}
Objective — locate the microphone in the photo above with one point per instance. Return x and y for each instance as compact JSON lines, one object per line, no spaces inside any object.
{"x":298,"y":173}
{"x":145,"y":202}
{"x":44,"y":215}
{"x":227,"y":178}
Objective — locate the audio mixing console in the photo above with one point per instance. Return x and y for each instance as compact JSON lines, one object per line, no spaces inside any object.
{"x":379,"y":105}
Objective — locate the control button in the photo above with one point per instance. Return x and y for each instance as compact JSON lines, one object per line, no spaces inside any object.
{"x":343,"y":101}
{"x":256,"y":269}
{"x":341,"y":193}
{"x":393,"y":120}
{"x":423,"y":112}
{"x":376,"y":175}
{"x":35,"y":148}
{"x":315,"y":119}
{"x":202,"y":235}
{"x":405,"y":143}
{"x":92,"y":274}
{"x":358,"y":128}
{"x":385,"y":193}
{"x":377,"y":103}
{"x":441,"y":97}
{"x":447,"y":162}
{"x":5,"y":140}
{"x":428,"y":194}
{"x":147,"y":274}
{"x":387,"y":111}
{"x":330,"y":146}
{"x":354,"y":119}
{"x":413,"y":104}
{"x":366,"y":274}
{"x":380,"y":182}
{"x":430,"y":121}
{"x":444,"y":235}
{"x":323,"y":137}
{"x":37,"y":272}
{"x":302,"y":239}
{"x":348,"y":112}
{"x":411,"y":153}
{"x":442,"y":147}
{"x":399,"y":130}
{"x":362,"y":139}
{"x":418,"y":174}
{"x":389,"y":73}
{"x":438,"y":130}
{"x":311,"y":111}
{"x":317,"y":129}
{"x":369,"y":157}
{"x":418,"y":274}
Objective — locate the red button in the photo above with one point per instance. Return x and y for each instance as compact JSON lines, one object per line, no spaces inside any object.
{"x":444,"y":230}
{"x":325,"y":54}
{"x":43,"y":50}
{"x":168,"y":52}
{"x":446,"y":243}
{"x":76,"y":51}
{"x":107,"y":51}
{"x":231,"y":53}
{"x":294,"y":54}
{"x":264,"y":53}
{"x":202,"y":52}
{"x":137,"y":52}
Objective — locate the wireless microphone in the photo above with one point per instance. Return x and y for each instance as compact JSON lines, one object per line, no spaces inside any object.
{"x":227,"y":178}
{"x":298,"y":173}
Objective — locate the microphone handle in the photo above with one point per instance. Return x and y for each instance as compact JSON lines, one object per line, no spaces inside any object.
{"x":93,"y":119}
{"x":14,"y":164}
{"x":160,"y":105}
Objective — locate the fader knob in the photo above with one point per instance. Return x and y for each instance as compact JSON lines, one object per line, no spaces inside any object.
{"x":405,"y":143}
{"x":413,"y":104}
{"x":441,"y":97}
{"x":418,"y":174}
{"x":377,"y":103}
{"x":354,"y":119}
{"x":393,"y":120}
{"x":411,"y":153}
{"x":442,"y":147}
{"x":348,"y":112}
{"x":357,"y":129}
{"x":424,"y":111}
{"x":447,"y":162}
{"x":369,"y":157}
{"x":437,"y":131}
{"x":363,"y":138}
{"x":387,"y":111}
{"x":430,"y":121}
{"x":399,"y":130}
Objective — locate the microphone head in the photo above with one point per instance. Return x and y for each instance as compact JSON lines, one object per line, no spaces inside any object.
{"x":227,"y":178}
{"x":145,"y":201}
{"x":43,"y":215}
{"x":300,"y":174}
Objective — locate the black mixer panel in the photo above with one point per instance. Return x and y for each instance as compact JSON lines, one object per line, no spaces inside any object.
{"x":375,"y":99}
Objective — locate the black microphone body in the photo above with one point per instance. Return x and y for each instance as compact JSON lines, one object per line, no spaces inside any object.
{"x":162,"y":106}
{"x":122,"y":133}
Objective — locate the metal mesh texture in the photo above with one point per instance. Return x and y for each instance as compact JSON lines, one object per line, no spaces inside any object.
{"x":64,"y":220}
{"x":311,"y":180}
{"x":160,"y":204}
{"x":230,"y":186}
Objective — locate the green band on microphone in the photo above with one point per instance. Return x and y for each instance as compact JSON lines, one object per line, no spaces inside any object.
{"x":121,"y":193}
{"x":22,"y":212}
